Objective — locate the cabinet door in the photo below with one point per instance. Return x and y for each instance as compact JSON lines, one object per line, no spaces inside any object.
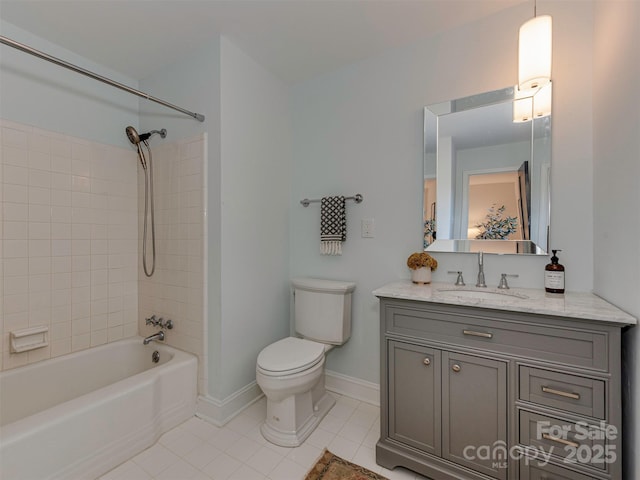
{"x":474,"y":413}
{"x":414,"y":396}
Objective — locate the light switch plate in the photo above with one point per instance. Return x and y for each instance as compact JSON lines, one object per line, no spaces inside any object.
{"x":368,"y":228}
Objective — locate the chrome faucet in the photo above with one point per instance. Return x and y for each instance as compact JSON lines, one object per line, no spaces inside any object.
{"x":156,"y":336}
{"x":480,"y":282}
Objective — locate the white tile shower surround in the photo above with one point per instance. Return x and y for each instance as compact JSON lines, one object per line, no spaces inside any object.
{"x":176,"y":289}
{"x":68,"y":241}
{"x":198,"y":450}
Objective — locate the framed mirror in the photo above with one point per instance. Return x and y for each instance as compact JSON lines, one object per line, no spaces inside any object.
{"x":487,"y":166}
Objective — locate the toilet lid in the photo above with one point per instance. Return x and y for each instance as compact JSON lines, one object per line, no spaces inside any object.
{"x":290,"y":355}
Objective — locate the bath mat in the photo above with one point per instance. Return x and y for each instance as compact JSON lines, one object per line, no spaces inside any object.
{"x":332,"y":467}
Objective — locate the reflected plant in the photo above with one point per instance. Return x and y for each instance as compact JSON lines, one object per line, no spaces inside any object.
{"x":495,"y":227}
{"x":429,"y":232}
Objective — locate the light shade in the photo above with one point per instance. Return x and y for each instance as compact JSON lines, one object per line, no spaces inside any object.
{"x":542,"y":102}
{"x":530,"y":104}
{"x":534,"y":53}
{"x":522,"y":110}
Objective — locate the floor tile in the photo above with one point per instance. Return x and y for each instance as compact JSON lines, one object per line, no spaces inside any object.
{"x":198,"y":450}
{"x":305,"y":455}
{"x":288,"y":470}
{"x":155,"y":459}
{"x":265,"y":460}
{"x":222,"y":467}
{"x":355,"y":433}
{"x":243,"y":449}
{"x":202,"y":455}
{"x":343,"y":447}
{"x":245,"y":472}
{"x":180,"y":470}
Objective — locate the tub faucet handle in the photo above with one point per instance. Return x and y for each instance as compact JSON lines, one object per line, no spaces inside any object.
{"x":166,"y":324}
{"x":503,"y":280}
{"x":459,"y":280}
{"x":151,"y":320}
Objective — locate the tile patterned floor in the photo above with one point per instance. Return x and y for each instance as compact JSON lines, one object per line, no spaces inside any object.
{"x":198,"y":450}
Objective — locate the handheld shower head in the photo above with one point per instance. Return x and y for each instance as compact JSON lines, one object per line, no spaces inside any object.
{"x":132,"y":135}
{"x":135,"y":138}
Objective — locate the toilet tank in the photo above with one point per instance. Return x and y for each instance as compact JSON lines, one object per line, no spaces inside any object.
{"x":322,"y":309}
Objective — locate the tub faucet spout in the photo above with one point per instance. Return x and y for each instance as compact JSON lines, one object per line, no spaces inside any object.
{"x":156,"y":336}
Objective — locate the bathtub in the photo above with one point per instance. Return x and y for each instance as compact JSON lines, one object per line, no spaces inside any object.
{"x":79,"y":415}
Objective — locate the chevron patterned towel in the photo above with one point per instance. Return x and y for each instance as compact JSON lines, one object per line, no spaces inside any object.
{"x":333,"y":225}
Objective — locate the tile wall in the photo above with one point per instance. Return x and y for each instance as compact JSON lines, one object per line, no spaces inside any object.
{"x":176,"y":289}
{"x":69,"y":241}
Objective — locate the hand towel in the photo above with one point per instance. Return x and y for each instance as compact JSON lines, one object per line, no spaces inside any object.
{"x":333,"y":225}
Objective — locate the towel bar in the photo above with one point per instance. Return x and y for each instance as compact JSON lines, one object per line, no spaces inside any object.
{"x":357,"y":198}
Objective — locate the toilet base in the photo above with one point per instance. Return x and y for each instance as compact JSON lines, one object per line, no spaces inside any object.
{"x":284,"y":413}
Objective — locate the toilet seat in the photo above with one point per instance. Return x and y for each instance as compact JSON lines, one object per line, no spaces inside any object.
{"x":289,"y":355}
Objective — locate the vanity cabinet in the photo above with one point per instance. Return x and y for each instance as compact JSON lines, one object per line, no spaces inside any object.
{"x":431,"y":408}
{"x":415,"y":374}
{"x":475,"y":393}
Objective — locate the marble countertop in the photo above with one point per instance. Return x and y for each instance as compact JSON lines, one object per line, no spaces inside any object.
{"x":573,"y":305}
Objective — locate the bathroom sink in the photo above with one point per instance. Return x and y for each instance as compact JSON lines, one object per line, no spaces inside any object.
{"x":482,"y":294}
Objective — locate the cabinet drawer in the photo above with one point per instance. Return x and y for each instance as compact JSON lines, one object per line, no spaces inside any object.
{"x":549,"y":472}
{"x":575,"y":394}
{"x":576,"y":443}
{"x":504,"y":333}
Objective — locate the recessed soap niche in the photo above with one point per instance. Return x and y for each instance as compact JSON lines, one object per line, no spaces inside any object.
{"x":29,"y":339}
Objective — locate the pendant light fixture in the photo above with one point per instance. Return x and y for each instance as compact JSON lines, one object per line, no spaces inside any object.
{"x":531,"y":104}
{"x":522,"y":106}
{"x":534,"y":52}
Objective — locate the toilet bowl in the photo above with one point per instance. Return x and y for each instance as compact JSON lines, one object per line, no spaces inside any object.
{"x":290,"y":371}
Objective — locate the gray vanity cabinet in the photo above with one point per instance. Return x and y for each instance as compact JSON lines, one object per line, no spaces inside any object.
{"x":474,"y":402}
{"x":456,"y":379}
{"x":414,"y":396}
{"x":440,"y":401}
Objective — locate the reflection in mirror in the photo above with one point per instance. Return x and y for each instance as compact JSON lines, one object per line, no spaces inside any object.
{"x":487,"y":161}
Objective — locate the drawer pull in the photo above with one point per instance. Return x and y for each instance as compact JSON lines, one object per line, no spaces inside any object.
{"x":456,"y":368}
{"x":573,"y":396}
{"x":478,"y":334}
{"x":569,"y":443}
{"x":427,"y":361}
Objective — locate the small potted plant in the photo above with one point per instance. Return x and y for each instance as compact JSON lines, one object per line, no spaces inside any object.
{"x":421,"y":265}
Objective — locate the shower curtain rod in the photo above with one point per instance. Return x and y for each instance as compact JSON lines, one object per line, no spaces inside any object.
{"x":95,"y":76}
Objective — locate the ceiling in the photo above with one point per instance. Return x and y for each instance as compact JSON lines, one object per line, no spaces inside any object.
{"x":295,"y":39}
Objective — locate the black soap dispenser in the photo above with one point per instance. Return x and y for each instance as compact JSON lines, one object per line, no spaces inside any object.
{"x":554,"y":275}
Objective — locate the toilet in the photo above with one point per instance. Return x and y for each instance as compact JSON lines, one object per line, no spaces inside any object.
{"x":290,"y":371}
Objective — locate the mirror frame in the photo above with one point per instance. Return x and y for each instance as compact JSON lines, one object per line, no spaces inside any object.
{"x":539,"y":158}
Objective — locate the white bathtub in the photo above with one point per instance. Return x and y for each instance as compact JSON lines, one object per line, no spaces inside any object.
{"x":78,"y":416}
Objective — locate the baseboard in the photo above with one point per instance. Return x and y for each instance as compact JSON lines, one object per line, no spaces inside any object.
{"x":352,"y":387}
{"x":219,"y":412}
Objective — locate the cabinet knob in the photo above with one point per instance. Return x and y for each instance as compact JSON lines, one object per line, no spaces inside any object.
{"x":456,"y":368}
{"x":427,"y":361}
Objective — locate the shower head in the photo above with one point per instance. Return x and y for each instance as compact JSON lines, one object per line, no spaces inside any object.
{"x":132,"y":135}
{"x":135,"y":138}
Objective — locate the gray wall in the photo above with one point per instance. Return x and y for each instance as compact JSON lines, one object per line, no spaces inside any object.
{"x":44,"y":95}
{"x":249,"y":164}
{"x":359,"y":129}
{"x":616,"y":152}
{"x":255,"y":193}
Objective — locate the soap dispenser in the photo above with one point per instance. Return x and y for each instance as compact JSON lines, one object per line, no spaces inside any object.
{"x":554,"y":275}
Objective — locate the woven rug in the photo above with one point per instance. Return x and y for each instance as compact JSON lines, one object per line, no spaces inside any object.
{"x":332,"y":467}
